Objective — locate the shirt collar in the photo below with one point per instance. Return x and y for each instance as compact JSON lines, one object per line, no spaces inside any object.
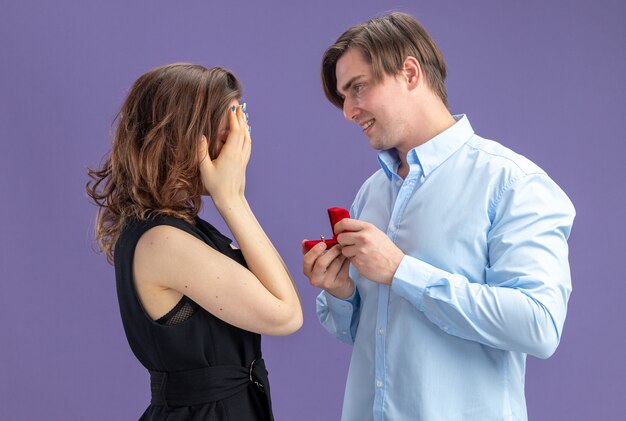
{"x":389,"y":160}
{"x":432,"y":153}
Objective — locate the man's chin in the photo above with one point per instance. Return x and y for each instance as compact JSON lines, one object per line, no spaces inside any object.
{"x":377,"y":144}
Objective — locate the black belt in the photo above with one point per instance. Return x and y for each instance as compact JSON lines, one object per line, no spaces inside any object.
{"x":208,"y":384}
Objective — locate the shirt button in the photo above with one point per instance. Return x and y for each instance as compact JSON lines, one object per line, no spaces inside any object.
{"x":381,"y":330}
{"x":399,"y":183}
{"x":344,"y":332}
{"x":379,"y":384}
{"x":445,"y":328}
{"x":392,"y":228}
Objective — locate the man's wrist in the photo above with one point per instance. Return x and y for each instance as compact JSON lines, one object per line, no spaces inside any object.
{"x":343,"y":293}
{"x":394,"y":264}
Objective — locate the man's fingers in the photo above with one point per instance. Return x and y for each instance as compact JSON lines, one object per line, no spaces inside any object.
{"x":328,"y":279}
{"x":349,"y":224}
{"x":334,"y":268}
{"x":348,"y":238}
{"x":349,"y":251}
{"x":310,"y":257}
{"x":327,"y":258}
{"x":345,"y":268}
{"x":324,"y":262}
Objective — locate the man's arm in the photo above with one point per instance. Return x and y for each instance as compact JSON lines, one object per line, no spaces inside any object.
{"x":340,"y":317}
{"x":522,"y":305}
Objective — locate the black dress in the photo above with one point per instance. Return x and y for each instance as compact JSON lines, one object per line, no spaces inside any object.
{"x":201,"y":368}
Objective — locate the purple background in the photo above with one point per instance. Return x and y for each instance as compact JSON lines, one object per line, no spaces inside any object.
{"x":544,"y":78}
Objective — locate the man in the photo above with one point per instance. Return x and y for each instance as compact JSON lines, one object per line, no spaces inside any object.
{"x":455,"y":265}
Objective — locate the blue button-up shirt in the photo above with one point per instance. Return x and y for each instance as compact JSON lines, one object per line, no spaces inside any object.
{"x":485,"y":280}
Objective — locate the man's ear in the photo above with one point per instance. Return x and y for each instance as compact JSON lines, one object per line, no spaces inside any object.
{"x":412,"y":72}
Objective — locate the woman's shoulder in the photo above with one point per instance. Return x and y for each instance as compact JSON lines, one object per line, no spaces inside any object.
{"x":137,"y":226}
{"x":170,"y":231}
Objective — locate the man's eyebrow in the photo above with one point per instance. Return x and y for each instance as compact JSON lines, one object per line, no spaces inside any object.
{"x":349,"y":83}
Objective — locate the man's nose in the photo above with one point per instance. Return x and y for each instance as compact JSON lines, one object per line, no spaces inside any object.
{"x":350,"y":111}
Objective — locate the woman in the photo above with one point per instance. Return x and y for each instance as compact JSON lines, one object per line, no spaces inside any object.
{"x":193,"y":306}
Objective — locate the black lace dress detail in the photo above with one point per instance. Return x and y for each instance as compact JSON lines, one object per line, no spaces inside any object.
{"x":180,"y":313}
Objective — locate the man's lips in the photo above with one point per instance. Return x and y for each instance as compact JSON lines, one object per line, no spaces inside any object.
{"x":367,"y":125}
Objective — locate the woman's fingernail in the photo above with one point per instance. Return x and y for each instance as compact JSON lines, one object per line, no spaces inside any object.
{"x":250,"y":129}
{"x":233,"y":108}
{"x":243,"y":107}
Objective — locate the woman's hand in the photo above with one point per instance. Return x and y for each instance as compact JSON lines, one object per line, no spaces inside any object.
{"x":224,"y":178}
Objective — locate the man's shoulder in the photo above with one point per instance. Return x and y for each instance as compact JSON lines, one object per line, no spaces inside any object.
{"x":494,"y":154}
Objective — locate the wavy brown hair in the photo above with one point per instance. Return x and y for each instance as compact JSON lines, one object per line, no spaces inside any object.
{"x":153,"y":167}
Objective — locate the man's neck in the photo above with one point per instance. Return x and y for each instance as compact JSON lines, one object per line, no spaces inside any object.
{"x":434,"y":126}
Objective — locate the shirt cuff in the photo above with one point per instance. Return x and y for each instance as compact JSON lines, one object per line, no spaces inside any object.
{"x":411,"y":279}
{"x":343,"y":307}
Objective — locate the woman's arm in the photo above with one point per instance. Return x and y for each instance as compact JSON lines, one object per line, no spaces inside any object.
{"x":169,"y":258}
{"x":260,"y":299}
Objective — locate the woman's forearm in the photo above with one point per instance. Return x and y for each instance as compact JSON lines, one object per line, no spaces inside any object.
{"x":261,"y":256}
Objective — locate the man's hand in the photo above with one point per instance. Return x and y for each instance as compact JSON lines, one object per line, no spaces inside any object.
{"x":328,"y":270}
{"x":369,"y":249}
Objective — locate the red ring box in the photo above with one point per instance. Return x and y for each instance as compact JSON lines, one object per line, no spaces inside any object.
{"x":335,"y":215}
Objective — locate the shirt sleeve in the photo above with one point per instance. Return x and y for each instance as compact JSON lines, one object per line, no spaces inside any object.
{"x":339,"y":317}
{"x":522,"y":304}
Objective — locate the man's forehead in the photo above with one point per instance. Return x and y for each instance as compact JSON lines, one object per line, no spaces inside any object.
{"x":350,"y":67}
